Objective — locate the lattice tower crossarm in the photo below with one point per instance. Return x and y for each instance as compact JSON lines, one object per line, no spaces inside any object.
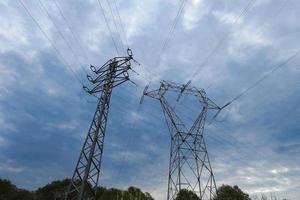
{"x":87,"y":171}
{"x":189,"y":166}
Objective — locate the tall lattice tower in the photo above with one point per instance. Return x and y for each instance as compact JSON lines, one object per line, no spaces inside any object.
{"x":189,"y":166}
{"x":86,"y":174}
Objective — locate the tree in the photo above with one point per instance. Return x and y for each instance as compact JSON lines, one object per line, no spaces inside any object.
{"x":185,"y":194}
{"x":21,"y":194}
{"x":9,"y":191}
{"x":6,"y":189}
{"x":132,"y":193}
{"x":53,"y":191}
{"x":227,"y":192}
{"x":56,"y":191}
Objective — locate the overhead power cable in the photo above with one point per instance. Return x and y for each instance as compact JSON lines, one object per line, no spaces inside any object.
{"x":171,"y":31}
{"x":222,"y":40}
{"x":62,"y":36}
{"x":166,"y":41}
{"x":169,"y":36}
{"x":52,"y":44}
{"x":256,"y":83}
{"x":108,"y":27}
{"x":121,"y":24}
{"x":244,"y":11}
{"x":116,"y":26}
{"x":276,"y":14}
{"x":60,"y":10}
{"x":277,"y":67}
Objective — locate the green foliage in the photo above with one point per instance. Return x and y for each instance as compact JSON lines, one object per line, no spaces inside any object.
{"x":227,"y":192}
{"x":21,"y":194}
{"x":8,"y":191}
{"x":6,"y":188}
{"x":185,"y":194}
{"x":114,"y":194}
{"x":56,"y":190}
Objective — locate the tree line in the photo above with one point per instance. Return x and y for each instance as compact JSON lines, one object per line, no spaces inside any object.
{"x":56,"y":191}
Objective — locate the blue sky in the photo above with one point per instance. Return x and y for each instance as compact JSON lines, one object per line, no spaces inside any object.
{"x":44,"y":114}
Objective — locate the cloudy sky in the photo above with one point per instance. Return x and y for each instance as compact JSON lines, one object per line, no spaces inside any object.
{"x":223,"y":46}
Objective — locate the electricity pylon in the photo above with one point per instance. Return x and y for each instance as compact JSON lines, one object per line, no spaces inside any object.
{"x":189,"y":166}
{"x":86,"y":174}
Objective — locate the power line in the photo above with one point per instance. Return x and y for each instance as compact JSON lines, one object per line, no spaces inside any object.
{"x":169,"y":36}
{"x":219,"y":44}
{"x":171,"y":31}
{"x":70,"y":28}
{"x":256,"y":83}
{"x":108,"y":27}
{"x":261,"y":30}
{"x":223,"y":39}
{"x":121,"y":23}
{"x":116,"y":26}
{"x":51,"y":43}
{"x":62,"y":36}
{"x":167,"y":40}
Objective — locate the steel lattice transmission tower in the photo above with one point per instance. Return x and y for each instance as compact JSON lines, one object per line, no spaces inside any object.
{"x":86,"y":175}
{"x":189,"y":166}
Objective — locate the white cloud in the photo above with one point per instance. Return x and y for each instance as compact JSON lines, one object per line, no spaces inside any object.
{"x":139,"y":17}
{"x":129,"y":156}
{"x":228,"y":18}
{"x":280,"y":170}
{"x":193,"y":12}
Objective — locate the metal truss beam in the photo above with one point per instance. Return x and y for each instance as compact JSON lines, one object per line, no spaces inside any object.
{"x":189,"y":166}
{"x":87,"y":171}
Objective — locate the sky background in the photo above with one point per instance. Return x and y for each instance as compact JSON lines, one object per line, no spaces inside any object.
{"x":45,"y":115}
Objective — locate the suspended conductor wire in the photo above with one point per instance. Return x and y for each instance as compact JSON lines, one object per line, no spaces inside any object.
{"x":70,"y":28}
{"x":108,"y":27}
{"x":171,"y":31}
{"x":256,"y":83}
{"x":223,"y":39}
{"x":51,"y":43}
{"x":116,"y":26}
{"x":63,"y":37}
{"x":121,"y":24}
{"x":169,"y":35}
{"x":167,"y":40}
{"x":244,"y":12}
{"x":276,"y":14}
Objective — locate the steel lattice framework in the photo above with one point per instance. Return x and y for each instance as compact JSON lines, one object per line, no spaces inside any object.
{"x":189,"y":166}
{"x":86,"y":175}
